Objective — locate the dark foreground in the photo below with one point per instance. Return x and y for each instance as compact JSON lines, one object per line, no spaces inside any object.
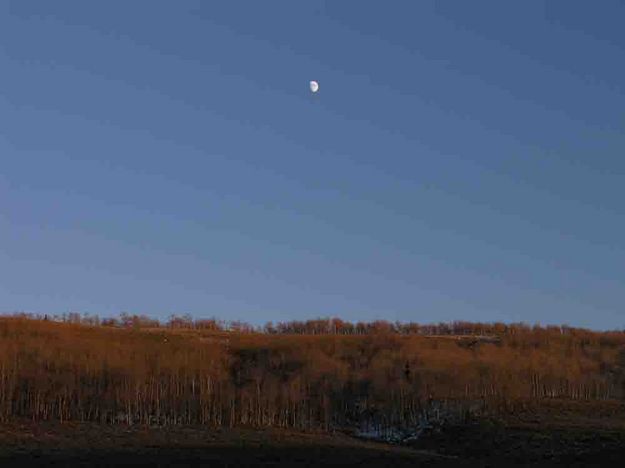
{"x":91,"y":445}
{"x":558,"y":437}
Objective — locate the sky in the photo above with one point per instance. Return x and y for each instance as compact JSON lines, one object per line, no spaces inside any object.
{"x":461,"y":160}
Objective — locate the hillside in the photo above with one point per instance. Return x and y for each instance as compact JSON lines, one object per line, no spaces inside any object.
{"x":169,"y":375}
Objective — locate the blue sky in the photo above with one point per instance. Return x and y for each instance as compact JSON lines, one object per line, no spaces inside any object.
{"x":462,"y":160}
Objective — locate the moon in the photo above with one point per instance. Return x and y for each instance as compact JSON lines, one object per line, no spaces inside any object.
{"x":314,"y":86}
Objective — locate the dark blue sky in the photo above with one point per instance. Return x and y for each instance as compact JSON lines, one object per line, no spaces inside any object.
{"x":462,"y":160}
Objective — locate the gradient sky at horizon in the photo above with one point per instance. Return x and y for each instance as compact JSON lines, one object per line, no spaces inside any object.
{"x":461,"y":161}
